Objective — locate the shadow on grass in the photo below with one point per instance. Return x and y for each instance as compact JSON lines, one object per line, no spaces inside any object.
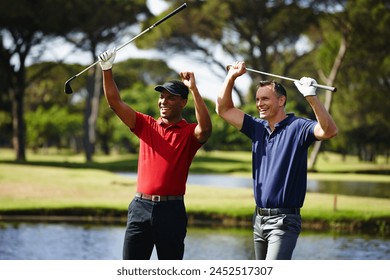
{"x":200,"y":165}
{"x":114,"y":166}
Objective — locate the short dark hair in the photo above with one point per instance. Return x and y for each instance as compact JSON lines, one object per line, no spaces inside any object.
{"x":277,"y":87}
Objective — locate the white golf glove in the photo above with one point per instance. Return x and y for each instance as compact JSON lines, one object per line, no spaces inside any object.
{"x":304,"y":85}
{"x":106,"y":59}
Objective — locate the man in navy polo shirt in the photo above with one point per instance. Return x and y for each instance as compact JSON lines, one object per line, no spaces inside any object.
{"x":279,"y":158}
{"x":157,"y":215}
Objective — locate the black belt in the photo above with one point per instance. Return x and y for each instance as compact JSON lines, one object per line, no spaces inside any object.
{"x":158,"y":198}
{"x":277,"y":211}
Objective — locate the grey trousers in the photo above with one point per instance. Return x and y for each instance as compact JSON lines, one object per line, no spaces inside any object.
{"x":275,"y":237}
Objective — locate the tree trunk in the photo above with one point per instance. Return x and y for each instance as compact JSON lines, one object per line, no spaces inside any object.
{"x":91,"y":112}
{"x":328,"y":97}
{"x":18,"y":123}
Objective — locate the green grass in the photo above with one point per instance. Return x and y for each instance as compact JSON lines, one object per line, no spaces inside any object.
{"x":24,"y":187}
{"x":31,"y":187}
{"x":335,"y":163}
{"x":63,"y":183}
{"x":329,"y":166}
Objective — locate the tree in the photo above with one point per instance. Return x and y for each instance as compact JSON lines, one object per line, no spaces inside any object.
{"x":365,"y":80}
{"x":5,"y":103}
{"x":52,"y":118}
{"x":23,"y":25}
{"x":262,"y":33}
{"x":106,"y":20}
{"x":22,"y":29}
{"x":333,"y":49}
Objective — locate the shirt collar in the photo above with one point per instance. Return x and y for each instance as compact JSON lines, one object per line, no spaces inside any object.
{"x":182,"y":123}
{"x":286,"y":120}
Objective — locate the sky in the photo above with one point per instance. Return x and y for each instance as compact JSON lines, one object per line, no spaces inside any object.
{"x":209,"y":84}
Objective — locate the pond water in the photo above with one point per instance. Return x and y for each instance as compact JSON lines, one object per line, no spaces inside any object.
{"x":61,"y":241}
{"x":369,"y":189}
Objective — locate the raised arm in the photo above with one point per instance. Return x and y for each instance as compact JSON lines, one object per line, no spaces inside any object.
{"x":326,"y":127}
{"x":225,"y":107}
{"x":203,"y":129}
{"x":111,"y":92}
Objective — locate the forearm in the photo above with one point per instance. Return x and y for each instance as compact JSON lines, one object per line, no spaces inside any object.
{"x":110,"y":89}
{"x":225,"y":100}
{"x":121,"y":109}
{"x":201,"y":113}
{"x":326,"y":128}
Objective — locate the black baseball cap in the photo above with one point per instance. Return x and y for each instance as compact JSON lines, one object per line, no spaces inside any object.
{"x":175,"y":87}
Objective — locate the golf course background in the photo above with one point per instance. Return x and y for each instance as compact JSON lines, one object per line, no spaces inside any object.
{"x":55,"y":186}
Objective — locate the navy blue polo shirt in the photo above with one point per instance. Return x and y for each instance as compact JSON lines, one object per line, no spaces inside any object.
{"x":279,"y":160}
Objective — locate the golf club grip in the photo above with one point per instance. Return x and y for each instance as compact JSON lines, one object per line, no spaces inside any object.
{"x":170,"y":14}
{"x":332,"y":89}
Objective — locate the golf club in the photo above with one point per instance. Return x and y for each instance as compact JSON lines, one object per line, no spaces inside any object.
{"x":333,"y":89}
{"x":68,"y":88}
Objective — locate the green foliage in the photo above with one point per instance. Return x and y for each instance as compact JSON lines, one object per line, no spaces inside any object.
{"x":326,"y":53}
{"x":361,"y":107}
{"x":263,"y":33}
{"x":51,"y":127}
{"x":5,"y":128}
{"x":147,"y":71}
{"x":94,"y":22}
{"x":45,"y":84}
{"x":30,"y":17}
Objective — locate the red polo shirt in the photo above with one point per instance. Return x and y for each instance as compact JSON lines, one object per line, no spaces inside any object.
{"x":165,"y":156}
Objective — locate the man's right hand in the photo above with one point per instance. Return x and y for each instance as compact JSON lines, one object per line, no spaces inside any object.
{"x":106,"y":59}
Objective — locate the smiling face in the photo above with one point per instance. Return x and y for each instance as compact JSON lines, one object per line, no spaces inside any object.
{"x":269,"y":104}
{"x":171,"y":107}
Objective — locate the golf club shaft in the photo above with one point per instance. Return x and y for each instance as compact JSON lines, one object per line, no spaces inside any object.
{"x":333,"y":89}
{"x":139,"y":35}
{"x":67,"y":83}
{"x":117,"y":49}
{"x":154,"y":25}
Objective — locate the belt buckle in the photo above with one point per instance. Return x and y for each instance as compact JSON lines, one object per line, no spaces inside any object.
{"x":156,"y":198}
{"x":265,"y":211}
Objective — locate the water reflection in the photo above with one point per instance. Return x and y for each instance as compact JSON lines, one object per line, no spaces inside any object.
{"x":370,"y":189}
{"x":67,"y":241}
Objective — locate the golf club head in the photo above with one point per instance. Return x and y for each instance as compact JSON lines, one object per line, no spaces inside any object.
{"x":68,"y":88}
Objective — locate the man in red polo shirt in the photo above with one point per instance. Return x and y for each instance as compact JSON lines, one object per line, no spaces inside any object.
{"x":157,"y":215}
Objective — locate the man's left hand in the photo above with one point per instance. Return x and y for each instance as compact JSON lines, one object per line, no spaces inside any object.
{"x":188,"y":78}
{"x":305,"y":86}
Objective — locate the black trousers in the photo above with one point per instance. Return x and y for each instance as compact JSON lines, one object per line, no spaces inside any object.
{"x":162,"y":224}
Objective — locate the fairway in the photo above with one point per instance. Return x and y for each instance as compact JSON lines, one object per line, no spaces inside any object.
{"x":52,"y":185}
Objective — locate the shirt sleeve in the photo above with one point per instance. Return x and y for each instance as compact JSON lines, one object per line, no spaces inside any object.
{"x":140,"y":122}
{"x":249,"y":126}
